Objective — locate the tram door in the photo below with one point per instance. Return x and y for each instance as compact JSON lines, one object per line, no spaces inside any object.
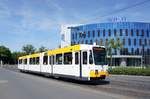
{"x":45,"y":68}
{"x":77,"y":66}
{"x":80,"y":62}
{"x":83,"y":63}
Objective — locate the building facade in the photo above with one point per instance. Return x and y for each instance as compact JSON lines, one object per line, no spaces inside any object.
{"x":66,"y":34}
{"x":135,"y":37}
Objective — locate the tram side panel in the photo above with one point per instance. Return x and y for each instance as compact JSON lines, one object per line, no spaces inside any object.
{"x":76,"y":65}
{"x":45,"y":64}
{"x":20,"y":66}
{"x":34,"y":64}
{"x":63,"y":64}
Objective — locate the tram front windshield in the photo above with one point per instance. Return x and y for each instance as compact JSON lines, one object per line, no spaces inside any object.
{"x":99,"y":55}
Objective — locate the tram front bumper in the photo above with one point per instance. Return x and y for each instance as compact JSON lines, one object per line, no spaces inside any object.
{"x":98,"y":74}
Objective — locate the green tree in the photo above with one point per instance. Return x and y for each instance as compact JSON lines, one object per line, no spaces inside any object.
{"x":28,"y":49}
{"x":113,"y":45}
{"x":15,"y":56}
{"x":5,"y":55}
{"x":42,"y":49}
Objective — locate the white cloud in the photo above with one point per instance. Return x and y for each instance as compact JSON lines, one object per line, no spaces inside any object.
{"x":4,"y":11}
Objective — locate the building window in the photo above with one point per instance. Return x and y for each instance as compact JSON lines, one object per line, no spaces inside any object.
{"x":82,"y":42}
{"x":88,"y":33}
{"x":124,"y":41}
{"x":147,"y":33}
{"x":124,"y":51}
{"x":142,"y":32}
{"x":131,"y":32}
{"x":127,"y":52}
{"x":115,"y":32}
{"x":84,"y":34}
{"x":137,"y":32}
{"x":148,"y":51}
{"x":132,"y":51}
{"x":134,"y":41}
{"x":140,"y":42}
{"x":129,"y":42}
{"x":72,"y":36}
{"x":138,"y":51}
{"x":91,"y":42}
{"x":101,"y":42}
{"x":76,"y":35}
{"x":120,"y":32}
{"x":104,"y":32}
{"x":72,"y":43}
{"x":93,"y":33}
{"x":145,"y":42}
{"x":126,"y":32}
{"x":109,"y":32}
{"x":80,"y":34}
{"x":86,"y":41}
{"x":106,"y":42}
{"x":96,"y":42}
{"x":118,"y":40}
{"x":98,"y":33}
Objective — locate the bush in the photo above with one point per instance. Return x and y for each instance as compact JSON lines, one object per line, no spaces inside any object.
{"x":130,"y":71}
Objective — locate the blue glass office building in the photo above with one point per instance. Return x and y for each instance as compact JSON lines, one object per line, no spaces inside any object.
{"x":135,"y":37}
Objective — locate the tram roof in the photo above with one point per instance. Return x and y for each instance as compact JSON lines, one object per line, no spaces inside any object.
{"x":30,"y":56}
{"x":61,"y":50}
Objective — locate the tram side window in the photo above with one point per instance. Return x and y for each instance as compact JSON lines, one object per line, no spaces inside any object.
{"x":25,"y":61}
{"x":20,"y":61}
{"x":58,"y":58}
{"x":68,"y":58}
{"x":90,"y":58}
{"x":84,"y":58}
{"x":53,"y":58}
{"x":45,"y":60}
{"x":31,"y":61}
{"x":76,"y":58}
{"x":50,"y":60}
{"x":37,"y":60}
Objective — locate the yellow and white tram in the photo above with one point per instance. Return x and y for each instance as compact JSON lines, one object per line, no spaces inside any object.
{"x":82,"y":62}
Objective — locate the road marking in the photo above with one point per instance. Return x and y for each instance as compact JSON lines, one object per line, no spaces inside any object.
{"x":3,"y":81}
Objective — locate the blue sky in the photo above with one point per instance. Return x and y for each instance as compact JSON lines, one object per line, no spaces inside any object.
{"x":38,"y":22}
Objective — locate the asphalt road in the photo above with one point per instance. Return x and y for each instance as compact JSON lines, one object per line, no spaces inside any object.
{"x":16,"y":85}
